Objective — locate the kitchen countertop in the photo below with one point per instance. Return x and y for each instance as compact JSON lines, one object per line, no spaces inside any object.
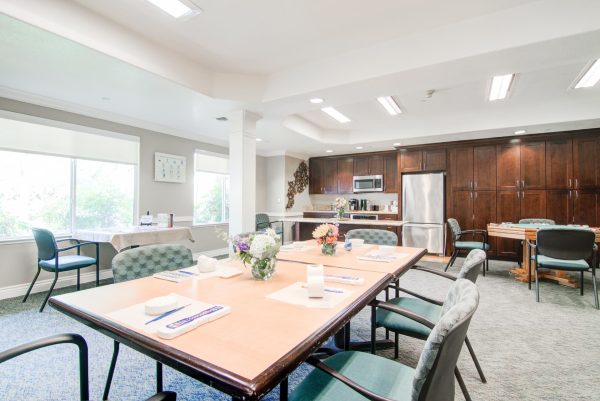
{"x":352,"y":212}
{"x":396,"y":223}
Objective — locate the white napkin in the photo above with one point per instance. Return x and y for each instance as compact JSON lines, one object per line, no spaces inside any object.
{"x":206,"y":264}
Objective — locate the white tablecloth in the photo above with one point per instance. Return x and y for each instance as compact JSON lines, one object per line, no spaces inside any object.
{"x":121,"y":238}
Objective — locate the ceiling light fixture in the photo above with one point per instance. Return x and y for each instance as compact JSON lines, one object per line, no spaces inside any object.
{"x":316,"y":100}
{"x":500,"y":86}
{"x":358,"y":147}
{"x":329,"y":151}
{"x":258,"y":139}
{"x":396,"y":144}
{"x":390,"y":105}
{"x":590,"y":77}
{"x":175,"y":8}
{"x":336,"y":115}
{"x":520,"y":132}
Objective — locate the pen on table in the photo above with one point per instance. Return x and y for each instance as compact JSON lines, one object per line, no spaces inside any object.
{"x":327,"y":289}
{"x":187,"y":272}
{"x":167,"y":314}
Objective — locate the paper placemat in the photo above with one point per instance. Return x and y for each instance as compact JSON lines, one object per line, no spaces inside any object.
{"x":292,"y":248}
{"x":222,"y":270}
{"x":296,"y":294}
{"x":136,"y":317}
{"x":375,"y":256}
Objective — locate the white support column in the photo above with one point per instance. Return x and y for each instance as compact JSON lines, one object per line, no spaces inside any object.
{"x":242,"y":171}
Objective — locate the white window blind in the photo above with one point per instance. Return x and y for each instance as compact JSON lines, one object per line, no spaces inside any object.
{"x":37,"y":138}
{"x":210,"y":163}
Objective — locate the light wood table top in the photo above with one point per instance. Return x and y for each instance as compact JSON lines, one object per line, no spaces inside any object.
{"x":349,"y":259}
{"x":246,"y":353}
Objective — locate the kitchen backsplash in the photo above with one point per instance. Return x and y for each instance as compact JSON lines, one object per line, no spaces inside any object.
{"x":324,"y":202}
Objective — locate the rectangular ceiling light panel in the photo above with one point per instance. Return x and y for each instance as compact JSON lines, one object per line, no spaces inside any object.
{"x":174,"y":8}
{"x":591,"y":77}
{"x":390,"y":105}
{"x":335,"y":114}
{"x":500,"y":86}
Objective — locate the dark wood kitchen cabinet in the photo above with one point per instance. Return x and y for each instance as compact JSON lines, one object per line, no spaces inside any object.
{"x":322,"y":175}
{"x":368,"y":165}
{"x":475,"y":210}
{"x":411,"y":160}
{"x":533,"y":165}
{"x":461,"y":168}
{"x":390,"y":173}
{"x":345,"y":173}
{"x":473,"y":168}
{"x":422,"y":160}
{"x":315,"y":176}
{"x":586,"y":162}
{"x":559,"y":164}
{"x":329,"y":179}
{"x":559,"y":206}
{"x":585,"y":207}
{"x":573,"y":207}
{"x":508,"y":166}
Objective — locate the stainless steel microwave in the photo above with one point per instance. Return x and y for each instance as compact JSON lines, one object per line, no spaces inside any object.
{"x":367,"y":183}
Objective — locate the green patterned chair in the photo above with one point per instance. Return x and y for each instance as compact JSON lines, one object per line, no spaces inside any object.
{"x":428,"y":308}
{"x":263,"y":222}
{"x":354,"y":376}
{"x":535,"y":220}
{"x":142,"y":262}
{"x":372,"y":236}
{"x":458,"y":245}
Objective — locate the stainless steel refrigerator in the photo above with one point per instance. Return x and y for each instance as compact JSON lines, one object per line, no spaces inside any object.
{"x":423,"y":211}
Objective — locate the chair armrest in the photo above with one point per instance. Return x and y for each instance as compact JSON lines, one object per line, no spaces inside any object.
{"x":417,"y":295}
{"x":436,"y":272}
{"x":476,"y":232}
{"x":68,"y":239}
{"x":403,"y":312}
{"x":76,"y":339}
{"x":350,"y":383}
{"x":164,"y":396}
{"x":79,"y":245}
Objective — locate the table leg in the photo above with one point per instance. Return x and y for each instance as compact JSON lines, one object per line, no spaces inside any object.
{"x":296,"y":231}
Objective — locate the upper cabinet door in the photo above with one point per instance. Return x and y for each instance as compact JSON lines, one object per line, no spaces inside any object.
{"x":330,"y":185}
{"x":533,"y":204}
{"x":533,"y":165}
{"x":559,"y":164}
{"x":508,"y":166}
{"x":376,"y":165}
{"x":484,"y":168}
{"x":411,"y":160}
{"x":361,"y":165}
{"x":585,"y":208}
{"x":585,"y":164}
{"x":315,"y":176}
{"x":462,"y":202}
{"x":345,"y":172}
{"x":390,"y":179}
{"x":461,"y":168}
{"x":434,"y":160}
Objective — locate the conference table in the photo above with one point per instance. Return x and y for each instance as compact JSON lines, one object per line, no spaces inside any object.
{"x":526,"y":232}
{"x":253,"y":349}
{"x":122,"y":238}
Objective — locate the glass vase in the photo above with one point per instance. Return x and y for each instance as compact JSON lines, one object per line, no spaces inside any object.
{"x":328,"y":249}
{"x":263,"y":269}
{"x":340,"y":214}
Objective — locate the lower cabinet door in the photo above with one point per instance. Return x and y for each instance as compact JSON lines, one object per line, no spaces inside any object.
{"x":585,"y":208}
{"x":508,"y":212}
{"x":559,"y":206}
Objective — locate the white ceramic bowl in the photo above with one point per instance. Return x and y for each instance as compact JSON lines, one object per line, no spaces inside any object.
{"x":356,"y":242}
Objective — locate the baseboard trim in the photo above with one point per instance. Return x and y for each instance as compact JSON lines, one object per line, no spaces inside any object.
{"x":44,"y":285}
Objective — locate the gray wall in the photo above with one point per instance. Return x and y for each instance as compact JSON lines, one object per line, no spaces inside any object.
{"x":18,"y":260}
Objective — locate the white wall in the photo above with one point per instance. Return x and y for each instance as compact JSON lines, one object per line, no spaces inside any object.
{"x":18,"y":260}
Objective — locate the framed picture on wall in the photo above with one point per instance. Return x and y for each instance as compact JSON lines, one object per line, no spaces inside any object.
{"x":169,"y":168}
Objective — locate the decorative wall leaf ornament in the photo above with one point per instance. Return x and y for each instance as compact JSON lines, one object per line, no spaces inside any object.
{"x":298,"y":185}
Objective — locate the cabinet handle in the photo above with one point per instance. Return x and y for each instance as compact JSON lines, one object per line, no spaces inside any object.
{"x":577,"y":194}
{"x":576,"y":183}
{"x":475,"y":184}
{"x":570,"y":195}
{"x":475,"y":195}
{"x":471,"y":194}
{"x":522,"y":194}
{"x":570,"y":182}
{"x":523,"y":184}
{"x":517,"y":184}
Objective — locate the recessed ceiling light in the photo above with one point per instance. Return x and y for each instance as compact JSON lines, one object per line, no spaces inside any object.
{"x":328,"y":151}
{"x":105,"y":98}
{"x":520,"y":132}
{"x":396,"y":144}
{"x":175,"y":8}
{"x":590,"y":77}
{"x":500,"y":86}
{"x":358,"y":147}
{"x":316,"y":100}
{"x":390,"y":105}
{"x":336,"y":115}
{"x":258,"y":139}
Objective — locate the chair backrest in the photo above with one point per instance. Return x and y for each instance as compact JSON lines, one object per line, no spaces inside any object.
{"x":147,"y":260}
{"x":372,"y":236}
{"x":46,"y":243}
{"x":472,"y":265}
{"x":537,"y":221}
{"x":262,"y":221}
{"x":565,"y":243}
{"x":455,"y":228}
{"x":434,"y":374}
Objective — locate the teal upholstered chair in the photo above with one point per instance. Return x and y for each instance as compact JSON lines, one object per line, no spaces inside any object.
{"x":459,"y":245}
{"x":49,"y":259}
{"x":352,"y":375}
{"x":372,"y":236}
{"x":263,"y":222}
{"x":142,"y":262}
{"x":426,"y":307}
{"x":570,"y":249}
{"x":534,"y":220}
{"x":79,"y":341}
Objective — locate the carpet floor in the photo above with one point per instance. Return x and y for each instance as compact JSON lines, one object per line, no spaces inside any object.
{"x":528,"y":350}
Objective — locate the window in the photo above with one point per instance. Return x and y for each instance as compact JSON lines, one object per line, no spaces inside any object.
{"x":211,"y":190}
{"x":62,"y":191}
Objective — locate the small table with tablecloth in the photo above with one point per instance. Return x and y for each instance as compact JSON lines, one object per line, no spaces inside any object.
{"x":121,"y":238}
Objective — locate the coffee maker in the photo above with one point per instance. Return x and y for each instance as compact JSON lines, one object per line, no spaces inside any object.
{"x":353,"y":204}
{"x":364,"y":204}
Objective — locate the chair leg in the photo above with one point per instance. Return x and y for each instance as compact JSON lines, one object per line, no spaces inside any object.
{"x":581,"y":284}
{"x":477,"y":366}
{"x":595,"y":289}
{"x":395,"y":345}
{"x":283,"y":390}
{"x":537,"y":285}
{"x":111,"y":370}
{"x":484,"y":264}
{"x":451,"y":261}
{"x":462,"y":385}
{"x":159,"y":377}
{"x":78,"y":279}
{"x":49,"y":291}
{"x":373,"y":328}
{"x":32,"y":283}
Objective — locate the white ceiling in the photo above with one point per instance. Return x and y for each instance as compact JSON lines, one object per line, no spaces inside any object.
{"x":271,"y":56}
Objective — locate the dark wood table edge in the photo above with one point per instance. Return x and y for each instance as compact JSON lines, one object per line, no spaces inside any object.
{"x":209,"y":374}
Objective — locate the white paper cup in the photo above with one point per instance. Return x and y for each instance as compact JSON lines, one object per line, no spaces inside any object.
{"x":356,"y":242}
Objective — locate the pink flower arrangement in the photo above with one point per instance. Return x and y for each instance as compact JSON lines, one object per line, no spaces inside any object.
{"x":326,"y":233}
